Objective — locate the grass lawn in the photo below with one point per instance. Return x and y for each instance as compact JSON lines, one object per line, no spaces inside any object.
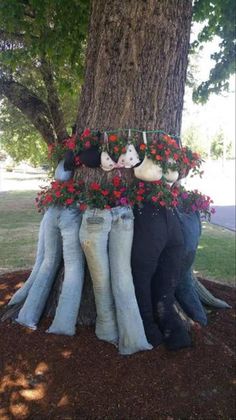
{"x":215,"y":258}
{"x":19,"y":225}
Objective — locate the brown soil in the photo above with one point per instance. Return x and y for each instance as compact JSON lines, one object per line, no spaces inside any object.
{"x":57,"y":377}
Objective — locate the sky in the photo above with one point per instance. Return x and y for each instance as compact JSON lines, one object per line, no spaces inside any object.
{"x":219,"y":112}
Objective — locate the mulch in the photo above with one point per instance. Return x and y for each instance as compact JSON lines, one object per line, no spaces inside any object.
{"x":57,"y":377}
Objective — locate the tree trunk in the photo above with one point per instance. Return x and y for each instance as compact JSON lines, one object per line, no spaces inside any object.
{"x":135,"y":71}
{"x":136,"y":65}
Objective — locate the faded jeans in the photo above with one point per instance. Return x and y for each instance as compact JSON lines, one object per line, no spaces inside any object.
{"x":21,"y":294}
{"x":106,"y":238}
{"x":186,"y":293}
{"x":61,"y":233}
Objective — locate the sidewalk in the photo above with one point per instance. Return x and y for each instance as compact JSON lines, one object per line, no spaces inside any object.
{"x":219,"y":183}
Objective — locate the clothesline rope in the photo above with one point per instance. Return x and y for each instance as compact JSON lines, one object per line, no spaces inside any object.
{"x":136,"y":130}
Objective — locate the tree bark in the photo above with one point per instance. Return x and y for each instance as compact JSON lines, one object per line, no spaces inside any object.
{"x":53,"y":101}
{"x":136,"y":65}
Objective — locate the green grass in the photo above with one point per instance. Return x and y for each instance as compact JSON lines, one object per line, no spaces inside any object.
{"x":19,"y":225}
{"x":215,"y":258}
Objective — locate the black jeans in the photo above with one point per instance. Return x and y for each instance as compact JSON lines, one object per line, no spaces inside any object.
{"x":156,"y":262}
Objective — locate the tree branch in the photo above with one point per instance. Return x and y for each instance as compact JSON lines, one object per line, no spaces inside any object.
{"x":53,"y":100}
{"x":31,"y":106}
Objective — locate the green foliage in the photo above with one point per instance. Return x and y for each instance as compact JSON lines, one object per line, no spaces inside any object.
{"x":29,"y":32}
{"x":219,"y":20}
{"x":19,"y":139}
{"x":219,"y":148}
{"x":193,"y":138}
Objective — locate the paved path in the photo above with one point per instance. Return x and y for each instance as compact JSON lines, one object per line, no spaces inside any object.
{"x":224,"y":216}
{"x":219,"y":183}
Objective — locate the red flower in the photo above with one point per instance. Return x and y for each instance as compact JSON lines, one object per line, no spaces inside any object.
{"x":48,"y":199}
{"x":162,"y":203}
{"x":142,"y":146}
{"x":140,"y":198}
{"x":58,"y":194}
{"x":112,"y":137}
{"x":158,"y":157}
{"x":154,"y":198}
{"x":69,"y":201}
{"x":71,"y":188}
{"x":86,"y":133}
{"x":77,"y":160}
{"x":71,"y":143}
{"x":116,"y":149}
{"x":105,"y":192}
{"x":95,"y":186}
{"x":117,"y":194}
{"x":82,"y":207}
{"x":87,"y":144}
{"x":116,"y":181}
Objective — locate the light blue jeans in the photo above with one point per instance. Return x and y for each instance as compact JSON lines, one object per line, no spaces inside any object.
{"x":106,"y":238}
{"x":60,"y":233}
{"x":22,"y":293}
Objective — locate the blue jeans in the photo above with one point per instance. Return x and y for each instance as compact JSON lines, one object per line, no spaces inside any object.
{"x":106,"y":237}
{"x":61,"y":232}
{"x":186,"y":293}
{"x":22,"y":293}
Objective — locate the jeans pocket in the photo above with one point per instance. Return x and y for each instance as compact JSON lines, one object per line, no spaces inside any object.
{"x":127,"y":221}
{"x":94,"y":223}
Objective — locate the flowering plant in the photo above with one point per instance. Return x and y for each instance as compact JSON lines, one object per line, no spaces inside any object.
{"x":163,"y":150}
{"x":116,"y":145}
{"x":159,"y":193}
{"x":61,"y":193}
{"x":189,"y":160}
{"x":107,"y":195}
{"x":192,"y":201}
{"x":87,"y":140}
{"x":56,"y":151}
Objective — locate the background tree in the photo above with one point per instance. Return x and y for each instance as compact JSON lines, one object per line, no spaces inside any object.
{"x":220,"y":148}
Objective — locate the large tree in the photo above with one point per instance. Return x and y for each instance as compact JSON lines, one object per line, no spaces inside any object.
{"x":42,"y":47}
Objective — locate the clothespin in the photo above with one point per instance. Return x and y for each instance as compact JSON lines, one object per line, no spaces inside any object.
{"x":105,"y":139}
{"x":144,"y":137}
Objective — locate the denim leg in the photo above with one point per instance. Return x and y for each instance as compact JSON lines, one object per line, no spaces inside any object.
{"x":33,"y":307}
{"x":67,"y":309}
{"x":186,"y":294}
{"x":61,"y":174}
{"x":150,"y":236}
{"x":22,"y":293}
{"x":130,"y":326}
{"x":164,"y":284}
{"x":94,"y":231}
{"x":188,"y":298}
